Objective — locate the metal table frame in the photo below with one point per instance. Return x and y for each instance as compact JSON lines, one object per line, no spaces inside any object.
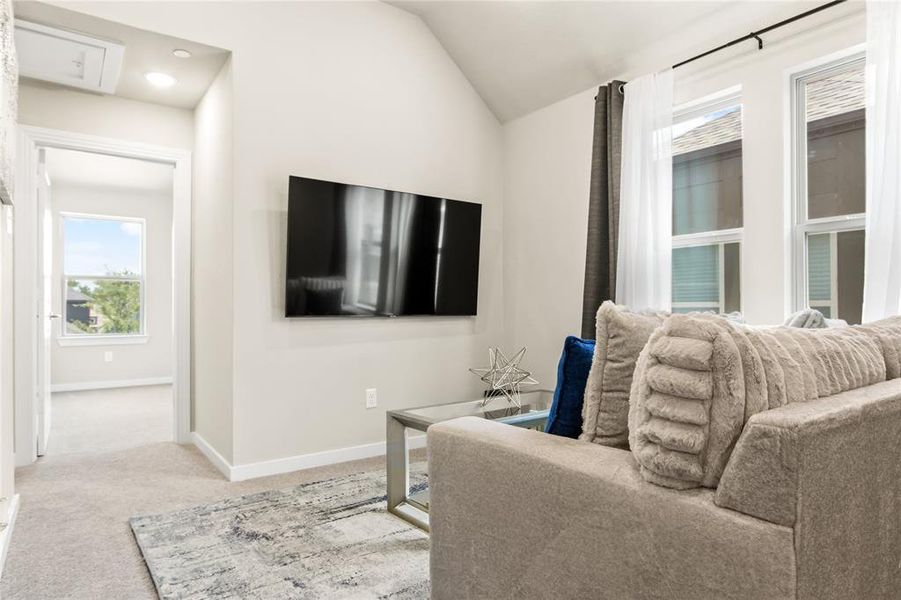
{"x":400,"y":502}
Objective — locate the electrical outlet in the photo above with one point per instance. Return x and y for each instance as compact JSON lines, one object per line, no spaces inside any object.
{"x":108,"y":356}
{"x":372,"y":399}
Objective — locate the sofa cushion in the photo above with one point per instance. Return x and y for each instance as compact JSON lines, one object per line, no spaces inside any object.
{"x":621,"y":335}
{"x":565,"y":417}
{"x":701,"y":378}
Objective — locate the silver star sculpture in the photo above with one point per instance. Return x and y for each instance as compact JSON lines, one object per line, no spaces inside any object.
{"x":504,"y":375}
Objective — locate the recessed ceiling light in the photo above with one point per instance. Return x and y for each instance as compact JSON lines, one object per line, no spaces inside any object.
{"x":181,"y":53}
{"x":160,"y":79}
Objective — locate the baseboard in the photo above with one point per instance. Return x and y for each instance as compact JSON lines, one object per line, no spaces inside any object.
{"x":105,"y":385}
{"x":212,"y":455}
{"x":315,"y":459}
{"x":295,"y":463}
{"x":12,"y":511}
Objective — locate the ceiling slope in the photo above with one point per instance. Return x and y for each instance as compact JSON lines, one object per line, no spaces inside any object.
{"x":521,"y":56}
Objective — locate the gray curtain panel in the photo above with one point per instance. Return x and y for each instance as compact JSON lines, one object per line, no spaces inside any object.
{"x":603,"y":204}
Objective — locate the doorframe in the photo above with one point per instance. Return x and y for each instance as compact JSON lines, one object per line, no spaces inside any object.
{"x":26,"y":293}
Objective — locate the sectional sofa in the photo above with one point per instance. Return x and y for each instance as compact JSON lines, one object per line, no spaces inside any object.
{"x":716,"y":461}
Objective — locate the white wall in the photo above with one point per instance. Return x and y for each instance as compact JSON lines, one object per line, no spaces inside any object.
{"x":547,"y":170}
{"x":377,"y":101}
{"x":547,"y":167}
{"x":106,"y":116}
{"x":80,"y":364}
{"x":358,"y":92}
{"x":212,"y":287}
{"x":7,"y":391}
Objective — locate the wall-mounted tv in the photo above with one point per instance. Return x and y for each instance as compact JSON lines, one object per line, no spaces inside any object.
{"x":362,"y":251}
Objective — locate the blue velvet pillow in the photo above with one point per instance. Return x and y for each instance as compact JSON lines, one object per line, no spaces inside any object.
{"x":565,"y":418}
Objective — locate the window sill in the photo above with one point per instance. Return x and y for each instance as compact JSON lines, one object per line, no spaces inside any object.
{"x":103,"y":340}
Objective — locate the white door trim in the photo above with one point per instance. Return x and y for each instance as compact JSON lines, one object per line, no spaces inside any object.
{"x":26,"y":284}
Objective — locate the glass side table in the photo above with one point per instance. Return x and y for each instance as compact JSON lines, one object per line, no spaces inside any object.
{"x":414,"y":507}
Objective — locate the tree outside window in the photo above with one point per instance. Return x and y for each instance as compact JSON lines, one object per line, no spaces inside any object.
{"x":103,"y":275}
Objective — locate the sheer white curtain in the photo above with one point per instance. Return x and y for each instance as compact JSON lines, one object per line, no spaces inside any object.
{"x":643,"y":265}
{"x":882,"y":273}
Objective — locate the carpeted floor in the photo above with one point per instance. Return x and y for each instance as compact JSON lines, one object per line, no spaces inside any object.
{"x":104,"y":420}
{"x":72,"y":538}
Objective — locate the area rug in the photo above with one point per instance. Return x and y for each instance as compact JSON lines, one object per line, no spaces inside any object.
{"x":330,"y":539}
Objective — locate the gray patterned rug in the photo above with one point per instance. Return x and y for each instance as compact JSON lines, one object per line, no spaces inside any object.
{"x":330,"y":539}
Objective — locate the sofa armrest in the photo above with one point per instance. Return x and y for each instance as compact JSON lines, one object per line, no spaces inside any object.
{"x":831,"y":469}
{"x":521,"y":514}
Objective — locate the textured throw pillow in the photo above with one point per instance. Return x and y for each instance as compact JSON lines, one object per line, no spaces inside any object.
{"x":888,"y":333}
{"x":621,"y":336}
{"x":700,"y":378}
{"x":811,"y":318}
{"x":565,"y":417}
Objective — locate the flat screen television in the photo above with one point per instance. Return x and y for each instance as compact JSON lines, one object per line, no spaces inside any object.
{"x":362,"y":251}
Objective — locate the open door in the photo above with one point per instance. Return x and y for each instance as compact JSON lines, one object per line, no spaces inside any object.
{"x":46,"y":317}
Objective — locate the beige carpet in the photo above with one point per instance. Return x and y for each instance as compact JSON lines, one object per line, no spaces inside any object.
{"x":104,"y":420}
{"x":72,"y":538}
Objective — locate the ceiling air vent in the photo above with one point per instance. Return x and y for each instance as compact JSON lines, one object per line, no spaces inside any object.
{"x":68,"y":58}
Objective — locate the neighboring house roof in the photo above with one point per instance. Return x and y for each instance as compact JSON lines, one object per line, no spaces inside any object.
{"x":721,"y":130}
{"x":75,"y":295}
{"x":839,"y":93}
{"x":836,"y":94}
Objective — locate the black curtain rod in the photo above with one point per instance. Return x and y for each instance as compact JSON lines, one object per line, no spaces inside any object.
{"x":755,"y":35}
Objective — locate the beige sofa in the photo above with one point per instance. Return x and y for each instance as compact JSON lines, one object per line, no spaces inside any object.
{"x":813,"y":490}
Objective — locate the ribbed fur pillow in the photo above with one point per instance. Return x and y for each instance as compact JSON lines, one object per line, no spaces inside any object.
{"x":621,"y":336}
{"x":700,"y":378}
{"x":888,"y":333}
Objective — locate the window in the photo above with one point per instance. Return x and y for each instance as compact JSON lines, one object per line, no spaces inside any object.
{"x":707,"y":207}
{"x":829,"y":188}
{"x":371,"y":260}
{"x":103,"y":276}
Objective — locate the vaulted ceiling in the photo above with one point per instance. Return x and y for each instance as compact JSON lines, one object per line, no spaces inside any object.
{"x":524,"y":55}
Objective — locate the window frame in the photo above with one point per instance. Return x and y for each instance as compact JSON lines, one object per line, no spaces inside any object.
{"x":801,"y":225}
{"x":65,"y":338}
{"x":720,"y":237}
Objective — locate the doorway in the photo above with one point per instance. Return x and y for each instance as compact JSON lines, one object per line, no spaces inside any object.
{"x":106,"y":254}
{"x":102,"y":294}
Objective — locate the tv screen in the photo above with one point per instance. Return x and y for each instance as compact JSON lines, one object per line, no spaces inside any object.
{"x":362,"y":251}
